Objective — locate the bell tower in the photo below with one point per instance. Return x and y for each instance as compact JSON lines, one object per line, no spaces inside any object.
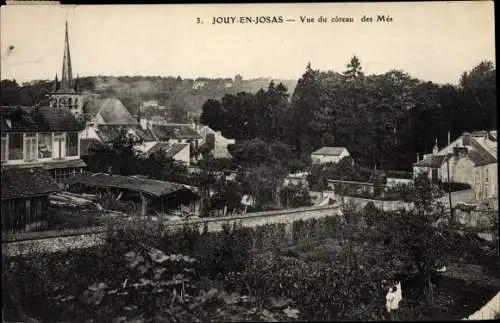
{"x":66,"y":92}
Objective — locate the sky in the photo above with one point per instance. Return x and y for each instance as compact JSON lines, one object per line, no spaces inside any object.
{"x":431,"y":41}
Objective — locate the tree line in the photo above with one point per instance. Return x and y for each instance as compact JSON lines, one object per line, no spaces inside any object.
{"x":384,"y":120}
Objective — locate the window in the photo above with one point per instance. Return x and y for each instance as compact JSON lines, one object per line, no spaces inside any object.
{"x":44,"y":145}
{"x":486,"y":175}
{"x":58,"y":145}
{"x":30,"y":146}
{"x":4,"y":148}
{"x":16,"y":151}
{"x":72,"y":144}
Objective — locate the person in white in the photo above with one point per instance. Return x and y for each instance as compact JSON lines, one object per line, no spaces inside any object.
{"x":393,"y":297}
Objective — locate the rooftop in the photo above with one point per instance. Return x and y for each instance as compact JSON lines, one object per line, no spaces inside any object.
{"x":26,"y":182}
{"x":170,"y":150}
{"x":108,"y":133}
{"x":149,"y":186}
{"x":38,"y":119}
{"x":433,"y":161}
{"x":174,"y":131}
{"x":329,"y":151}
{"x":112,"y":111}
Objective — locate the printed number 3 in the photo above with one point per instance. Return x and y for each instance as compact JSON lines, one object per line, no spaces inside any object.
{"x":198,"y":20}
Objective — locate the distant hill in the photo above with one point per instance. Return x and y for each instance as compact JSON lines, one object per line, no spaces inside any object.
{"x":186,"y":94}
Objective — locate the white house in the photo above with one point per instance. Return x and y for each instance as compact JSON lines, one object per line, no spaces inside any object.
{"x":471,"y":158}
{"x":329,"y":155}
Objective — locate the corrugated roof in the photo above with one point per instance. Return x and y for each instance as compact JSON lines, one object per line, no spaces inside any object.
{"x":174,"y":131}
{"x":38,"y":119}
{"x":433,"y":161}
{"x":170,"y":150}
{"x":115,"y":113}
{"x":26,"y":182}
{"x":329,"y":151}
{"x":149,"y":186}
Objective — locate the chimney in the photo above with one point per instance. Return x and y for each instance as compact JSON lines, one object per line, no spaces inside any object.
{"x":466,"y":137}
{"x":449,"y":138}
{"x":110,"y":170}
{"x":418,"y":157}
{"x":436,"y":148}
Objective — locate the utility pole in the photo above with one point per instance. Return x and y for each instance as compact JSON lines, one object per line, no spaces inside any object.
{"x":449,"y":182}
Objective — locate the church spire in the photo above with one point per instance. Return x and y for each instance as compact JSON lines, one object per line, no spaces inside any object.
{"x":56,"y":84}
{"x":67,"y":77}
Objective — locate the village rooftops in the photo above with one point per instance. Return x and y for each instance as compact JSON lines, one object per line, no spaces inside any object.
{"x":26,"y":182}
{"x":329,"y":151}
{"x":174,"y":131}
{"x":137,"y":184}
{"x":108,"y":133}
{"x":37,"y":119}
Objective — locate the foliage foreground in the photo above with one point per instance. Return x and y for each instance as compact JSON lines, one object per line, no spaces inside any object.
{"x":143,"y":274}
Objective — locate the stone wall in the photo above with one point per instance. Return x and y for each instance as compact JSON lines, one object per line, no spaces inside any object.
{"x":54,"y":241}
{"x":387,"y":205}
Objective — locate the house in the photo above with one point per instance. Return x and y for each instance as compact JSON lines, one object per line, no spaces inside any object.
{"x":228,"y":82}
{"x":177,"y":133}
{"x":471,"y":158}
{"x":199,"y":83}
{"x":329,"y":155}
{"x":41,"y":136}
{"x":24,"y":196}
{"x":216,"y":141}
{"x":110,"y":111}
{"x":176,"y":151}
{"x":151,"y":197}
{"x":296,"y":179}
{"x":108,"y":118}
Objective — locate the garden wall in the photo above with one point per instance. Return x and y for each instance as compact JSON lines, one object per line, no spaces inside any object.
{"x":391,"y":205}
{"x":281,"y":222}
{"x":386,"y":205}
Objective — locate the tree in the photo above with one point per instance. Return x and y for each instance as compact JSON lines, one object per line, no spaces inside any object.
{"x":293,"y":196}
{"x":263,"y":183}
{"x":478,"y":93}
{"x":411,"y":237}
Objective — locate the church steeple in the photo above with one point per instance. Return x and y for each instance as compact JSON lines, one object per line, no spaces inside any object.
{"x":66,"y":91}
{"x":56,"y":84}
{"x":67,"y":77}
